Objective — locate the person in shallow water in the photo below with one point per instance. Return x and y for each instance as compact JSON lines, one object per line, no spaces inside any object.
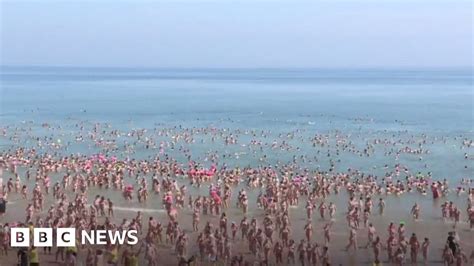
{"x":3,"y":206}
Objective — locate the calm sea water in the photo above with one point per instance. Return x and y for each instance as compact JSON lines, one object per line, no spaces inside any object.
{"x":363,"y":104}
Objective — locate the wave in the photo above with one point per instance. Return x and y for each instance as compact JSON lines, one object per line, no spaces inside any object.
{"x":132,"y":209}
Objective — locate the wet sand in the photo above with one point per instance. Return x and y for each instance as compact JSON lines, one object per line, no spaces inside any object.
{"x":430,"y":225}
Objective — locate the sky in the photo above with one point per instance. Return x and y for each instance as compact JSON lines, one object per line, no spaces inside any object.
{"x":237,"y":34}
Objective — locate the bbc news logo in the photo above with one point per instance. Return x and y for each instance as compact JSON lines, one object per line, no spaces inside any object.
{"x":66,"y":237}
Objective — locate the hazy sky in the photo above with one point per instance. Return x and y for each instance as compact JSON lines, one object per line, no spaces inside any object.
{"x":225,"y":33}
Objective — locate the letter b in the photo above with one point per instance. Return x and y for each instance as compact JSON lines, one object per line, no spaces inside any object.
{"x":43,"y":237}
{"x":19,"y":237}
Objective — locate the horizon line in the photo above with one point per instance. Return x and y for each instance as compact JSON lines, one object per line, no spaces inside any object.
{"x":471,"y":67}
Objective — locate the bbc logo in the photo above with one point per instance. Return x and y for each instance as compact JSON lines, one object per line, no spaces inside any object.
{"x":42,"y":237}
{"x":66,"y":237}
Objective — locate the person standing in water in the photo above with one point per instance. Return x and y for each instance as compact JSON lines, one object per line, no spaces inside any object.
{"x":33,"y":256}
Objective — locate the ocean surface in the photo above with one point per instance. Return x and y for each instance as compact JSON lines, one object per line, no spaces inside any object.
{"x":360,"y":105}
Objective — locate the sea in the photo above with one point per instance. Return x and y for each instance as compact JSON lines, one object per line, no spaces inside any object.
{"x":357,"y":105}
{"x":272,"y":116}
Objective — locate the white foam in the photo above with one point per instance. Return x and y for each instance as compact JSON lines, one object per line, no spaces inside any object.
{"x":131,"y":209}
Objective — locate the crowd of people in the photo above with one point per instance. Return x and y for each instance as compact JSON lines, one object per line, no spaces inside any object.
{"x":227,"y":215}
